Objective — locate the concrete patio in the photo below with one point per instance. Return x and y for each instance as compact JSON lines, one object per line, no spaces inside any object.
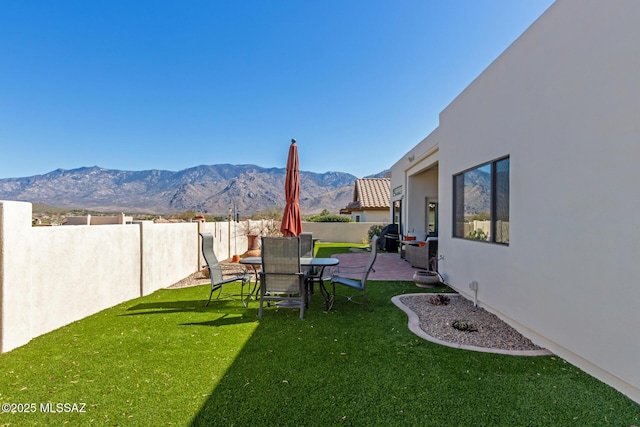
{"x":388,"y":266}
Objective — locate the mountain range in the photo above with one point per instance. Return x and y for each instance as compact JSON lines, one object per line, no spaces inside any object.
{"x":209,"y":189}
{"x":477,"y":192}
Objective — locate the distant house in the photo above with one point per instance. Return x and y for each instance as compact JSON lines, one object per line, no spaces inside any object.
{"x":548,"y":136}
{"x":99,"y":219}
{"x":371,"y":201}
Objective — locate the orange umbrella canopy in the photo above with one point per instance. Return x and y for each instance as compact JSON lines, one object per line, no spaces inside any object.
{"x":291,"y":220}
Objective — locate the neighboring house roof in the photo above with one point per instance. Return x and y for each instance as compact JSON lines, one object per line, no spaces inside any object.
{"x":369,"y":194}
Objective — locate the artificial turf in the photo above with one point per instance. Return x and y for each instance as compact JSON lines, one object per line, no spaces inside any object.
{"x":165,"y":359}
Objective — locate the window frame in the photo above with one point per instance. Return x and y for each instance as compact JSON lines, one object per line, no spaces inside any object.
{"x":459,"y":202}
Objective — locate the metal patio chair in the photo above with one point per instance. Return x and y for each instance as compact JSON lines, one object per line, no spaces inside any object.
{"x":281,"y":278}
{"x":216,"y":275}
{"x":313,"y":274}
{"x":343,"y":276}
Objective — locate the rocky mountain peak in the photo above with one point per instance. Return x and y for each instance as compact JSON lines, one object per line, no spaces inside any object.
{"x":209,"y":189}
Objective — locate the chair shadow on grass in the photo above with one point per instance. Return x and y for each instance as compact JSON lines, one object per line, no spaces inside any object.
{"x":226,"y":319}
{"x":234,"y":312}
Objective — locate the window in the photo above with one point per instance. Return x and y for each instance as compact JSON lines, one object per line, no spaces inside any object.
{"x":481,"y":202}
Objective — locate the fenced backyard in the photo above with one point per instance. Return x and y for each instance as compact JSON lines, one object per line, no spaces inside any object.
{"x":96,"y":339}
{"x":52,"y":276}
{"x":165,"y":359}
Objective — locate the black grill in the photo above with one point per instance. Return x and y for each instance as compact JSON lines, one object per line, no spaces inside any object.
{"x":389,"y":237}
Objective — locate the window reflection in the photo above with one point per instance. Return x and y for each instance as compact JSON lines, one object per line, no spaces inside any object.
{"x":481,"y":202}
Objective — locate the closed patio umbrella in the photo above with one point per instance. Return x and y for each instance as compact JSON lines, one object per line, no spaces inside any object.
{"x":291,"y":221}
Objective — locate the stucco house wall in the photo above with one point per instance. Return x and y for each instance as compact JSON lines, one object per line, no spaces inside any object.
{"x":563,"y":102}
{"x":420,"y":187}
{"x":370,"y":215}
{"x":414,"y":177}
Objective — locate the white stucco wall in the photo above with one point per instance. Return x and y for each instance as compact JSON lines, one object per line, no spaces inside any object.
{"x":16,"y":288}
{"x":416,"y":173}
{"x":352,"y":232}
{"x":169,"y":253}
{"x":230,"y":238}
{"x":52,"y":276}
{"x":80,"y":270}
{"x":563,"y":103}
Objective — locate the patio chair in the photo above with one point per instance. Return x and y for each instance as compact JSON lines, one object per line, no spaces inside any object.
{"x":306,"y":245}
{"x":281,"y":279}
{"x":343,"y":276}
{"x":313,"y":274}
{"x":216,"y":275}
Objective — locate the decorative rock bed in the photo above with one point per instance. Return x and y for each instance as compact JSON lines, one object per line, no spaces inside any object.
{"x":435,"y":323}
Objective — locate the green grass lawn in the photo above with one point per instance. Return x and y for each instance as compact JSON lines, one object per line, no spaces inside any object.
{"x":165,"y":359}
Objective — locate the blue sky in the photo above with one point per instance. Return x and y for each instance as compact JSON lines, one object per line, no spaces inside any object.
{"x":138,"y":85}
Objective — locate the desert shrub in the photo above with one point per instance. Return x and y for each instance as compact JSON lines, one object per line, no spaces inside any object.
{"x":329,"y":218}
{"x":477,"y":234}
{"x":439,"y":299}
{"x":464,"y":325}
{"x":374,"y":230}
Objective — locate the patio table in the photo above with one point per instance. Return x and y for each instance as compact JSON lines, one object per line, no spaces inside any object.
{"x":321,"y":263}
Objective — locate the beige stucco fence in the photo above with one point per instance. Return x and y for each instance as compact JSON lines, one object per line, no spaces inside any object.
{"x":52,"y":276}
{"x":351,"y":232}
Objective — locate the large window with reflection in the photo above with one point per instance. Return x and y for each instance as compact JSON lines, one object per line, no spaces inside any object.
{"x":481,"y":202}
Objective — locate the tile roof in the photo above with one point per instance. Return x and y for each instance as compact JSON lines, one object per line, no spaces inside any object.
{"x":371,"y":193}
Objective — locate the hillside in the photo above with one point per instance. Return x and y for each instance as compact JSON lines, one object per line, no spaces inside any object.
{"x":210,"y":189}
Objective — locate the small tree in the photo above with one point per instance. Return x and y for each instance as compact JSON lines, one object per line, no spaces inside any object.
{"x":477,"y":234}
{"x":374,"y":230}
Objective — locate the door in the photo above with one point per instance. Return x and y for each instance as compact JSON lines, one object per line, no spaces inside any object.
{"x":431,"y":217}
{"x":397,"y":215}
